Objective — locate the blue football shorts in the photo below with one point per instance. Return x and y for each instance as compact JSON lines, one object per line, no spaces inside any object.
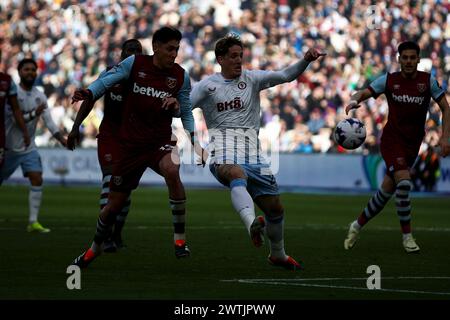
{"x":29,"y":162}
{"x":260,"y":180}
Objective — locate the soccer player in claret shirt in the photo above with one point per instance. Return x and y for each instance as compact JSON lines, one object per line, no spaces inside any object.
{"x":230,"y":104}
{"x":157,"y":89}
{"x":408,"y":93}
{"x":33,"y":105}
{"x":108,"y":141}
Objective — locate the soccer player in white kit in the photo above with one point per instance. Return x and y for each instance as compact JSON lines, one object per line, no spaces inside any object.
{"x":230,"y":104}
{"x":33,"y":104}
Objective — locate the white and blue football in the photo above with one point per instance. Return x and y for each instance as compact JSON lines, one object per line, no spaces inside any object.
{"x":350,"y":133}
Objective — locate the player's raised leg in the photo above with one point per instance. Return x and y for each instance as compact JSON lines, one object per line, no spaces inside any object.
{"x":242,"y":202}
{"x":403,"y":203}
{"x":274,"y":213}
{"x":105,"y":222}
{"x":170,"y":170}
{"x":115,"y":241}
{"x":374,"y":206}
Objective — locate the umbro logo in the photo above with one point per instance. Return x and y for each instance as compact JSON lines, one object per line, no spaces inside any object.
{"x":212,"y":89}
{"x":142,"y":74}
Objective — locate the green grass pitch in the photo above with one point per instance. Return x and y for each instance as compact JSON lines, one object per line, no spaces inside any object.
{"x":223,"y":264}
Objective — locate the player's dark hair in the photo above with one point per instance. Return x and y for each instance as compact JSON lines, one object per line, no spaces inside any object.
{"x":129,"y":41}
{"x":224,"y":44}
{"x":123,"y":53}
{"x":166,"y":34}
{"x":25,"y":61}
{"x":408,"y":45}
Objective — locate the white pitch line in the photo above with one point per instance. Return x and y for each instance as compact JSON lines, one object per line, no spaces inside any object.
{"x":337,"y":279}
{"x":357,"y":288}
{"x":295,"y":282}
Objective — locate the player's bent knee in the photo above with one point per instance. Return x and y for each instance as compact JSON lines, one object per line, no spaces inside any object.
{"x":277,"y":210}
{"x":172,"y":173}
{"x":36,"y":180}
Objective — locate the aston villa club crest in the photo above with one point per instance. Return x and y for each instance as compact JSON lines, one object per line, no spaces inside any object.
{"x":421,"y":87}
{"x":171,"y":82}
{"x":242,"y":85}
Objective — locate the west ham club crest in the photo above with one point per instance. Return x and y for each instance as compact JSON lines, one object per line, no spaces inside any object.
{"x":421,"y":87}
{"x":171,"y":82}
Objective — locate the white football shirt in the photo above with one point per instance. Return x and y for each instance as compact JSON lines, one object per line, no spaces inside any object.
{"x":28,"y":101}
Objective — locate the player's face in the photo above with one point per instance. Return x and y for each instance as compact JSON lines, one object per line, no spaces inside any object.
{"x":28,"y":74}
{"x":130,"y":49}
{"x":231,"y":63}
{"x":166,"y":53}
{"x":409,"y":61}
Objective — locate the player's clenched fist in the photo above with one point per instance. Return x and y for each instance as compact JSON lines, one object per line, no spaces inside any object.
{"x":313,"y":54}
{"x":81,"y":94}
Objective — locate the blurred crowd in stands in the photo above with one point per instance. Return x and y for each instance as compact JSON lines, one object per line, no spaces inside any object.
{"x":74,"y":40}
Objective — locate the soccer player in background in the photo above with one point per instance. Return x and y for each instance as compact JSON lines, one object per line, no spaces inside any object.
{"x":8,"y":93}
{"x":408,"y":94}
{"x":157,"y":90}
{"x":230,"y":104}
{"x":108,"y":140}
{"x":33,"y":104}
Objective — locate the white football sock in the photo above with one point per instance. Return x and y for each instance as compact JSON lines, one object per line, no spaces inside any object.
{"x":356,"y":225}
{"x":274,"y":231}
{"x":406,"y":235}
{"x":34,"y":202}
{"x":242,"y":202}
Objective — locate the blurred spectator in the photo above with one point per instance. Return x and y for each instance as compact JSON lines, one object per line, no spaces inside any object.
{"x":426,"y":170}
{"x":73,"y":41}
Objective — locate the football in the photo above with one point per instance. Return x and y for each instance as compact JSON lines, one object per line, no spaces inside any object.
{"x":350,"y":133}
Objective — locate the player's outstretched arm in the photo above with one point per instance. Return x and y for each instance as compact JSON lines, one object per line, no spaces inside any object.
{"x":357,"y":98}
{"x":269,"y":79}
{"x":105,"y":81}
{"x":19,"y":119}
{"x":293,"y":71}
{"x":444,"y":141}
{"x":73,"y":138}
